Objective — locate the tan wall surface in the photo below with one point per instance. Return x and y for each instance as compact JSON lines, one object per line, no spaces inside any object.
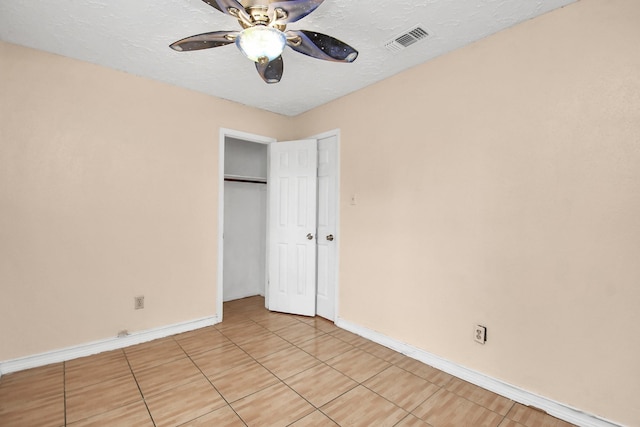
{"x":108,"y":190}
{"x":500,"y":185}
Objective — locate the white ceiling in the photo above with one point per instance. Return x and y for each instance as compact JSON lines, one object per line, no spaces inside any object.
{"x":134,"y":36}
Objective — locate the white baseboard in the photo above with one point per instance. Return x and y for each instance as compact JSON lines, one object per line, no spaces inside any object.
{"x":108,"y":344}
{"x":558,"y":410}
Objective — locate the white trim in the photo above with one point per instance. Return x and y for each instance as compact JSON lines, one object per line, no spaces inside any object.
{"x":336,"y":133}
{"x":268,"y":221}
{"x":108,"y":344}
{"x":556,"y":409}
{"x":224,"y":132}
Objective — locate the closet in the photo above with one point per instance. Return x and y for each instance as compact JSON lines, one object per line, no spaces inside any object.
{"x":245,"y":214}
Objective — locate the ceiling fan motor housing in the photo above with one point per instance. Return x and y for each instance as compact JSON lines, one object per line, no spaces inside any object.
{"x":259,"y":15}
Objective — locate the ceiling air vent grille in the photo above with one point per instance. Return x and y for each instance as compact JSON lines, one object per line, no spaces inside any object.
{"x":406,"y":39}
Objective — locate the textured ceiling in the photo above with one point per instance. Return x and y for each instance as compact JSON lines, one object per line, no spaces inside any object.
{"x":134,"y":35}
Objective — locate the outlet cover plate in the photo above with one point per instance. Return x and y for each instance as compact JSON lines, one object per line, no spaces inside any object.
{"x":138,"y":303}
{"x":480,"y":334}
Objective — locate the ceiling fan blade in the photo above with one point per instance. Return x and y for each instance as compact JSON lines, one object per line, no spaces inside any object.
{"x":228,"y":6}
{"x":271,"y":72}
{"x":321,"y":46}
{"x":295,"y":9}
{"x":205,"y":41}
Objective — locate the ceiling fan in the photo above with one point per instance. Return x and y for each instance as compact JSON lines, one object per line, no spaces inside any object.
{"x":264,"y":35}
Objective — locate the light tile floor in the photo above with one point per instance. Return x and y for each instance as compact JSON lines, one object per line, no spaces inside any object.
{"x":256,"y":368}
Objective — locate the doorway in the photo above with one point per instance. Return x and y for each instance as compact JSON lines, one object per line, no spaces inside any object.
{"x":242,"y":209}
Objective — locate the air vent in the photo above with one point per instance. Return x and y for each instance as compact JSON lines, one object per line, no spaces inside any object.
{"x":406,"y":39}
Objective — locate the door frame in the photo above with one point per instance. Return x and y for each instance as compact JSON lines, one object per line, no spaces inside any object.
{"x":336,"y":133}
{"x":223,"y":134}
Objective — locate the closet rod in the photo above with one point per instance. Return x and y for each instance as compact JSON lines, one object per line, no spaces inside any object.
{"x":251,"y":181}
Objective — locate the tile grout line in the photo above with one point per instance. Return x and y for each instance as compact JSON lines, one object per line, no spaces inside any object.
{"x":409,"y":412}
{"x":64,"y":390}
{"x":277,"y":377}
{"x":139,"y":389}
{"x":358,"y":383}
{"x":475,"y":403}
{"x":409,"y":415}
{"x":322,"y":362}
{"x":212,"y":385}
{"x":253,"y":358}
{"x":282,"y":380}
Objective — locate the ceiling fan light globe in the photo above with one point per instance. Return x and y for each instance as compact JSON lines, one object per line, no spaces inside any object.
{"x":261,"y":44}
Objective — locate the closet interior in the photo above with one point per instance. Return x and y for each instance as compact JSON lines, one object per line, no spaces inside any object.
{"x":245,"y":218}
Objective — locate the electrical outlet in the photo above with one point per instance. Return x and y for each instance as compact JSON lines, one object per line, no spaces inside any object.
{"x":480,"y":334}
{"x":138,"y":302}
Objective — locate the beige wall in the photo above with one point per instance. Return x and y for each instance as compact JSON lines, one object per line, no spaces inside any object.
{"x":500,"y":185}
{"x":108,"y":190}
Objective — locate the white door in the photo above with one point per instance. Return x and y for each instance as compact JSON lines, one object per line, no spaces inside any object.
{"x":292,"y":226}
{"x":327,"y":226}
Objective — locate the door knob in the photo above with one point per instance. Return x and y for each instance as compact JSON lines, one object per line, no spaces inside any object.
{"x":309,"y":236}
{"x":330,"y":237}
